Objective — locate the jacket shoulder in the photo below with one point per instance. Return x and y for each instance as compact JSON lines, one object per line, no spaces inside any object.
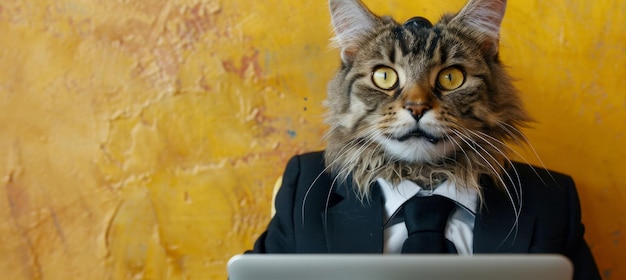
{"x":306,"y":175}
{"x":535,"y":177}
{"x":541,"y":189}
{"x":538,"y":172}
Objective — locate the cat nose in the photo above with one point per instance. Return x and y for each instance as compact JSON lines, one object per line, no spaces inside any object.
{"x":417,"y":110}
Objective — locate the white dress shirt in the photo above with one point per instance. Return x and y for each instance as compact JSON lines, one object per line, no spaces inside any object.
{"x":460,"y":227}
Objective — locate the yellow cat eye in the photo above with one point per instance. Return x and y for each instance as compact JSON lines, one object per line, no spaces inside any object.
{"x":385,"y":77}
{"x":450,"y":78}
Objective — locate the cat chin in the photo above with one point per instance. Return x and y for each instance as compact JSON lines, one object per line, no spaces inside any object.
{"x":416,"y":149}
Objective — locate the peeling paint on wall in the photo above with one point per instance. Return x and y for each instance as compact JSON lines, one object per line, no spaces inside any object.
{"x":141,"y":139}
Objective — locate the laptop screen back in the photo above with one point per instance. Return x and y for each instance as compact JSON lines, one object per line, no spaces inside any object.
{"x":399,"y":267}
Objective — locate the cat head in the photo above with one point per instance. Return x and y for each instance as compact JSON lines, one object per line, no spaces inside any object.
{"x":420,"y":101}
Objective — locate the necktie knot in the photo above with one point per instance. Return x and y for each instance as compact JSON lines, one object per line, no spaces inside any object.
{"x":427,"y":213}
{"x":426,"y":218}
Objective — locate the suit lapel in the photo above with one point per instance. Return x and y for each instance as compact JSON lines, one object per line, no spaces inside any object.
{"x":494,"y":227}
{"x":352,"y":226}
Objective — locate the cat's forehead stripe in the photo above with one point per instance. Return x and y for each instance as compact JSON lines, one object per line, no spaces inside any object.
{"x":433,"y":41}
{"x":392,"y":54}
{"x":413,"y":41}
{"x":398,"y":35}
{"x":443,"y":55}
{"x":420,"y":40}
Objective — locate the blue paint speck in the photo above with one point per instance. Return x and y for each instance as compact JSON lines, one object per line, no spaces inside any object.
{"x":291,"y":133}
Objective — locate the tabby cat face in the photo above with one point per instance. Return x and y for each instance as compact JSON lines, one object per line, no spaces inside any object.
{"x":420,"y":95}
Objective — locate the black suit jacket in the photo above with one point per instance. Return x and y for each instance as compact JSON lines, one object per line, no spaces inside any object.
{"x":315,"y":214}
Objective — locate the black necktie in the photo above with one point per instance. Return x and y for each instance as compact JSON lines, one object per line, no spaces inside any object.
{"x":426,"y":218}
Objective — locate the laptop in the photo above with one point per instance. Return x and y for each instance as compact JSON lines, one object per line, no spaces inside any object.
{"x":398,"y":267}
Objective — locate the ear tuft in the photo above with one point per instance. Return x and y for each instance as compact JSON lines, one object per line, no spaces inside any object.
{"x":351,"y":21}
{"x":485,"y":18}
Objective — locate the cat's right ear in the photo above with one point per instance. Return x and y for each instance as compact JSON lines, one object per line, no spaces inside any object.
{"x":351,"y":21}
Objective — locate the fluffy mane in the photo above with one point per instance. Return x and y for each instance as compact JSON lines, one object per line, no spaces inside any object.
{"x":417,"y":129}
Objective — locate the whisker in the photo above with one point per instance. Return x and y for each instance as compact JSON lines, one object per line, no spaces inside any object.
{"x":328,"y":166}
{"x":306,"y":195}
{"x":519,"y":182}
{"x":517,"y":189}
{"x":469,"y":161}
{"x":530,"y":145}
{"x":330,"y":191}
{"x":515,"y":210}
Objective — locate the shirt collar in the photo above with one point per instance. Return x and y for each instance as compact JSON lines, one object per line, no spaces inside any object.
{"x":396,"y":196}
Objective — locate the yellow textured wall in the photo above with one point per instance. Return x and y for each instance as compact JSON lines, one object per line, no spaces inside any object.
{"x":141,"y":139}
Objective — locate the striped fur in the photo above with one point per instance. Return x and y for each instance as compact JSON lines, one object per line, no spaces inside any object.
{"x":469,"y":125}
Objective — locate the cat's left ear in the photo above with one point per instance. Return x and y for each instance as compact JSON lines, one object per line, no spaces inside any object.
{"x":351,"y":21}
{"x":484,"y":17}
